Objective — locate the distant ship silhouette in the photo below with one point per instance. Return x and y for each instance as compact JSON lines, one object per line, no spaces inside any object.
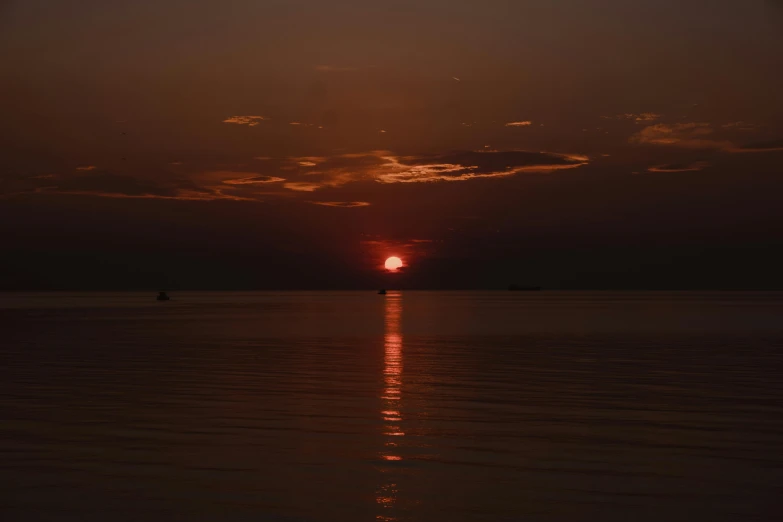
{"x":382,"y":291}
{"x":163,"y":296}
{"x":517,"y":288}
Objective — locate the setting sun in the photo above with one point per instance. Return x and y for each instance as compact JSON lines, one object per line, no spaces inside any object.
{"x":393,"y":264}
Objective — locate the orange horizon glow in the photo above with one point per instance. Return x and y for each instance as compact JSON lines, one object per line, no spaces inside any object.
{"x":393,"y":264}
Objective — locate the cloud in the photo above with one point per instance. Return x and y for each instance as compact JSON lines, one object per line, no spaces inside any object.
{"x":342,"y":204}
{"x":642,"y":117}
{"x":680,"y":167}
{"x":182,"y":196}
{"x":384,"y":167}
{"x":300,"y":186}
{"x":459,"y":166}
{"x":108,"y":185}
{"x":308,"y":164}
{"x":250,"y":121}
{"x":262,"y":158}
{"x":87,"y":168}
{"x":763,"y":146}
{"x":519,"y":124}
{"x":216,"y":178}
{"x":255,"y":180}
{"x":740,"y":126}
{"x":683,"y":135}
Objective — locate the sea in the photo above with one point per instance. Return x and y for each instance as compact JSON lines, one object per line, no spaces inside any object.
{"x":413,"y":406}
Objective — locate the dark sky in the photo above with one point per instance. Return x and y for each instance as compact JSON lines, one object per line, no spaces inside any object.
{"x":297,"y":143}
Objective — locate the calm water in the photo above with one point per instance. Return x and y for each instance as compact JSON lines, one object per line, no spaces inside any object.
{"x":417,"y":406}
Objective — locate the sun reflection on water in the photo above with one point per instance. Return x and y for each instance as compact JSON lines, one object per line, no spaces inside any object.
{"x":391,"y":412}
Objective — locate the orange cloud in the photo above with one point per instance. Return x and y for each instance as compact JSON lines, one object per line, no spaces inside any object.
{"x":182,"y":196}
{"x":462,"y":166}
{"x":683,"y":135}
{"x":342,"y":204}
{"x":384,"y":167}
{"x":643,"y":117}
{"x":87,"y":168}
{"x":109,"y":185}
{"x":680,"y":167}
{"x":250,"y":121}
{"x":740,"y":126}
{"x":519,"y":124}
{"x":302,"y":186}
{"x":255,"y":180}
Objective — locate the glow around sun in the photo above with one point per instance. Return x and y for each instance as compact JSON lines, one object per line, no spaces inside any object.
{"x":393,"y":264}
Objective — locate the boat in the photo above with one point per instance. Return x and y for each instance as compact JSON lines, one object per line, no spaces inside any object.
{"x":382,"y":291}
{"x":163,"y":296}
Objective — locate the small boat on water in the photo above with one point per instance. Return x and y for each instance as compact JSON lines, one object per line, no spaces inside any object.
{"x":382,"y":291}
{"x":163,"y":296}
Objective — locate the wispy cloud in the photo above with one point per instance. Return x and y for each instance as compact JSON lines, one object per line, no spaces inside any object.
{"x":110,"y":185}
{"x":740,"y":126}
{"x":683,"y":135}
{"x":519,"y":124}
{"x":763,"y":146}
{"x":255,"y":180}
{"x":680,"y":167}
{"x":342,"y":204}
{"x":304,"y":186}
{"x":309,"y":161}
{"x":643,"y":117}
{"x":181,"y":196}
{"x":460,"y":166}
{"x":87,"y":168}
{"x":385,"y":167}
{"x":250,"y":121}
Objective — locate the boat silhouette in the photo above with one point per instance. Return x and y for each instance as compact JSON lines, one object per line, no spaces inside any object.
{"x":163,"y":296}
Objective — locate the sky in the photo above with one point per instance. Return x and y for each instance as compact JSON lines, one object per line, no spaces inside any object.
{"x":248,"y":144}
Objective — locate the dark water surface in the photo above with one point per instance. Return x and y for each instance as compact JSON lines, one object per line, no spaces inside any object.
{"x":416,"y":406}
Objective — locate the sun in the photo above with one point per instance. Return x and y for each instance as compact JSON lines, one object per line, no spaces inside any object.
{"x":393,"y":264}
